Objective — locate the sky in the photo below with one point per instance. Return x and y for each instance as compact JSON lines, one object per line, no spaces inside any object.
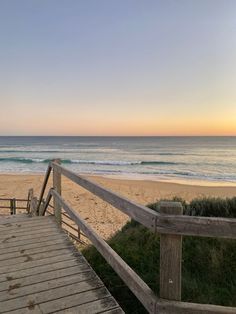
{"x":118,"y":67}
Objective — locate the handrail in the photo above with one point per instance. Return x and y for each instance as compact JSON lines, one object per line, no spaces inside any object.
{"x":47,"y":175}
{"x":142,"y":291}
{"x":159,"y":223}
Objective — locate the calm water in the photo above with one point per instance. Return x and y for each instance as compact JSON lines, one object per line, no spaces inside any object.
{"x":207,"y":159}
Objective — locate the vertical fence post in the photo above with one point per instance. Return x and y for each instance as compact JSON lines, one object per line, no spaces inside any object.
{"x":14,"y":206}
{"x":79,"y":235}
{"x":170,"y":257}
{"x":57,"y":187}
{"x":11,"y":207}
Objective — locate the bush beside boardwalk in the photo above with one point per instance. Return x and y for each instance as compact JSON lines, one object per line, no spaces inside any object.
{"x":208,"y":266}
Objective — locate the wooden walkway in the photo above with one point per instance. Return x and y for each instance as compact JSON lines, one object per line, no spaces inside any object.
{"x":42,"y":272}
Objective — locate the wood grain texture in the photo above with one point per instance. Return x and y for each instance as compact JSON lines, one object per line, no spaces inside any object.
{"x":57,"y":187}
{"x":132,"y":280}
{"x":42,"y":272}
{"x":159,"y":223}
{"x":170,"y":257}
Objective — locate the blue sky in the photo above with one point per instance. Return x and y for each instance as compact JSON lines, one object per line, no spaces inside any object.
{"x":118,"y":67}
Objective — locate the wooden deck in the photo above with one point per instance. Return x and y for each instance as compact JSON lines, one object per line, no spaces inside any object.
{"x":42,"y":272}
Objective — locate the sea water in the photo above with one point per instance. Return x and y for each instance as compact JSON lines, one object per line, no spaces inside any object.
{"x":191,"y":159}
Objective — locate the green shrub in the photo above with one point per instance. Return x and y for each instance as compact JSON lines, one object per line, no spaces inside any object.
{"x":208,"y":266}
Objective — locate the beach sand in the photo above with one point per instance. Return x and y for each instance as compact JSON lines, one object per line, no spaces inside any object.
{"x":100,"y":215}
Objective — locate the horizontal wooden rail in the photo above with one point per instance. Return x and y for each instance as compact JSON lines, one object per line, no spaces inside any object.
{"x":139,"y":213}
{"x":141,"y":290}
{"x":13,"y":204}
{"x":133,"y":281}
{"x":160,"y":223}
{"x":17,"y":199}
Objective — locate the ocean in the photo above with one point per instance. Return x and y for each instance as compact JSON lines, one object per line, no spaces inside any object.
{"x":204,"y":160}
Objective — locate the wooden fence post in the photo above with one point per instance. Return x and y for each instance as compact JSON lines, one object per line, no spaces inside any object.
{"x":14,"y":206}
{"x":57,"y":188}
{"x":170,"y":257}
{"x":11,"y":207}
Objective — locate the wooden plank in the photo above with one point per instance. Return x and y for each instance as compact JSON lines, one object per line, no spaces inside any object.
{"x":30,"y":309}
{"x":170,"y":257}
{"x":49,"y":285}
{"x":50,"y":265}
{"x":132,"y":280}
{"x":114,"y":311}
{"x":57,"y":187}
{"x":197,"y":226}
{"x":21,"y":218}
{"x":22,"y":255}
{"x":34,"y":257}
{"x":96,"y":306}
{"x":138,"y":212}
{"x":165,"y":224}
{"x":33,"y":206}
{"x":13,"y":218}
{"x":28,"y":230}
{"x":79,"y":303}
{"x":57,"y":256}
{"x":170,"y":307}
{"x":31,"y":246}
{"x":39,"y":278}
{"x":37,"y":239}
{"x":48,"y":295}
{"x":30,"y":196}
{"x":14,"y":238}
{"x":25,"y":225}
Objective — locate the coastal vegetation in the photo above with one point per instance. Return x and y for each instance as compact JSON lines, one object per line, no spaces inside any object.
{"x":208,"y":265}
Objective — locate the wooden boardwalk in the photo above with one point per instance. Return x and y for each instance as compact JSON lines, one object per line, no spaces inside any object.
{"x":42,"y":272}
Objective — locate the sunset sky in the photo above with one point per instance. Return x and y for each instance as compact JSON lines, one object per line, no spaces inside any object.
{"x":122,"y":67}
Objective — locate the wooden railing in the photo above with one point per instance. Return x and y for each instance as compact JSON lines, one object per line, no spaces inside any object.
{"x":12,"y":205}
{"x":169,"y":222}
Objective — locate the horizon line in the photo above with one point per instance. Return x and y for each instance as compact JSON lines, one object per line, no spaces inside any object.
{"x":118,"y":135}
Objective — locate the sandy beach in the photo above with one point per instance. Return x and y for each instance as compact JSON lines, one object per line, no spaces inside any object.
{"x":99,"y":214}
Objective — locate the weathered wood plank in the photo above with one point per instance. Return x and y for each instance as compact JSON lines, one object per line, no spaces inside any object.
{"x":138,"y":212}
{"x":88,"y":277}
{"x":170,"y":307}
{"x":197,"y":226}
{"x":41,"y":265}
{"x":34,"y":257}
{"x":30,"y":309}
{"x":31,"y":246}
{"x":117,"y":310}
{"x":132,"y":280}
{"x":22,"y":255}
{"x":97,"y":306}
{"x":170,"y":257}
{"x":36,"y":263}
{"x":14,"y":238}
{"x":57,"y":187}
{"x":165,"y":224}
{"x":20,"y":218}
{"x":37,"y":239}
{"x":38,"y":278}
{"x":41,"y":269}
{"x":71,"y":301}
{"x":25,"y":225}
{"x":13,"y":218}
{"x":89,"y":295}
{"x":28,"y":231}
{"x":48,"y":295}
